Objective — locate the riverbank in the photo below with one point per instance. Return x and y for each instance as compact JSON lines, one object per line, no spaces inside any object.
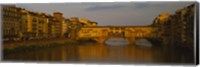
{"x":31,"y":45}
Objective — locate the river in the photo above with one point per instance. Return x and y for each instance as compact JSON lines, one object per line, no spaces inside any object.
{"x":101,"y":53}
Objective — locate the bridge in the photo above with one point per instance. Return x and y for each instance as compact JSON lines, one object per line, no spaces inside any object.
{"x":102,"y":33}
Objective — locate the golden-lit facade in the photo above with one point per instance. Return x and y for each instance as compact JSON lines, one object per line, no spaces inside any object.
{"x":74,"y":27}
{"x":53,"y":27}
{"x":26,"y":25}
{"x":162,"y":24}
{"x":34,"y":25}
{"x":62,"y":22}
{"x":101,"y":33}
{"x":76,"y":24}
{"x":22,"y":24}
{"x":11,"y":20}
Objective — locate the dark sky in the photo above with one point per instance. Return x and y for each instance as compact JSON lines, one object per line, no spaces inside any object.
{"x":118,"y":14}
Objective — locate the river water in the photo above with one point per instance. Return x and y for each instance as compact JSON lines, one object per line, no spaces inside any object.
{"x":101,"y":53}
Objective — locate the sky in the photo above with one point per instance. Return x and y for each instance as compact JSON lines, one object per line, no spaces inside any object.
{"x":115,"y":13}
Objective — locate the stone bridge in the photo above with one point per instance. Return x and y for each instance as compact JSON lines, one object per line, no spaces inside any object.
{"x":102,"y":33}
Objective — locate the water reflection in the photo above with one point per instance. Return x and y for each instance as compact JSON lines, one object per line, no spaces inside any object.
{"x":105,"y":54}
{"x":143,"y":42}
{"x":117,"y":41}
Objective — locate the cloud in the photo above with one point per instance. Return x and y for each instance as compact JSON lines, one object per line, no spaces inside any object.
{"x":146,"y":5}
{"x":103,"y":7}
{"x":117,"y":6}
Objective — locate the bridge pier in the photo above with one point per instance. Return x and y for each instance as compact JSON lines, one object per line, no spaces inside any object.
{"x":131,"y":40}
{"x":101,"y":40}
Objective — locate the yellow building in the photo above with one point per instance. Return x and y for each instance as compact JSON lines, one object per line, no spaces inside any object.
{"x":34,"y":25}
{"x":63,"y":23}
{"x":42,"y":25}
{"x":52,"y":24}
{"x":31,"y":25}
{"x":74,"y":27}
{"x":76,"y":24}
{"x":26,"y":24}
{"x":11,"y":20}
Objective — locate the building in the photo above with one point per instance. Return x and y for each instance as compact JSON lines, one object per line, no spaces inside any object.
{"x":177,"y":29}
{"x":42,"y":25}
{"x":26,"y":25}
{"x":53,"y":27}
{"x":22,"y":24}
{"x":63,"y":23}
{"x":34,"y":25}
{"x":76,"y":24}
{"x":68,"y":23}
{"x":11,"y":20}
{"x":74,"y":27}
{"x":86,"y":22}
{"x":184,"y":32}
{"x":162,"y":23}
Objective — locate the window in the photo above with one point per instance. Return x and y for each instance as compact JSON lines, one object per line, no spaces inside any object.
{"x":85,"y":31}
{"x":34,"y":20}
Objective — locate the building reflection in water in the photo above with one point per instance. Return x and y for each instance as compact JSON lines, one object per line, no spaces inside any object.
{"x":105,"y":54}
